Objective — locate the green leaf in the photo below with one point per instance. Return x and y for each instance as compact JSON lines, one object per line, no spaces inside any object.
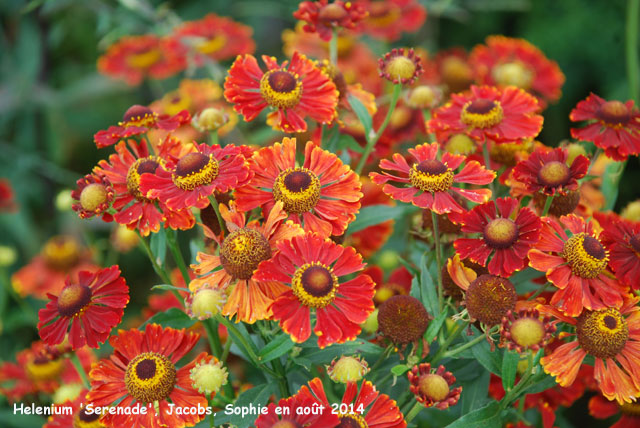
{"x":475,"y":391}
{"x":168,"y":287}
{"x":541,"y":383}
{"x":256,"y":397}
{"x":158,"y":244}
{"x":509,"y":368}
{"x":610,"y":181}
{"x":375,"y":214}
{"x":492,"y":361}
{"x":485,"y":417}
{"x":423,"y":288}
{"x":400,"y":369}
{"x":173,"y":317}
{"x":276,"y":348}
{"x":312,"y":353}
{"x":434,"y":326}
{"x":363,"y":115}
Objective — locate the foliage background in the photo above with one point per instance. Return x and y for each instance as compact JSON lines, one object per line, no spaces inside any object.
{"x":52,"y":101}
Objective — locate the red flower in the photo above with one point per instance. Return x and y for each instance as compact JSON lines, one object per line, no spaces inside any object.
{"x":135,"y":209}
{"x":323,"y":194}
{"x":488,"y":113}
{"x":7,"y":202}
{"x":322,"y":17}
{"x":312,"y":267}
{"x":187,"y":181}
{"x":430,"y":181}
{"x":609,"y":335}
{"x":622,"y":239}
{"x":296,"y":89}
{"x":217,"y":37}
{"x":91,"y":306}
{"x":398,"y":283}
{"x":577,"y":265}
{"x":142,"y":372}
{"x":613,"y":126}
{"x":388,"y":19}
{"x":139,"y":120}
{"x":93,"y":196}
{"x":507,"y":61}
{"x":547,"y":171}
{"x":132,"y":58}
{"x":601,"y":408}
{"x":507,"y":239}
{"x":240,"y":254}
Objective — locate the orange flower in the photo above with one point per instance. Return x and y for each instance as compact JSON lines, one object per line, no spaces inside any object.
{"x":321,"y":17}
{"x":323,"y":194}
{"x":388,"y":19}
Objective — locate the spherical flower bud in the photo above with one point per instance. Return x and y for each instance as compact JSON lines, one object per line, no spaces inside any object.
{"x":525,"y":330}
{"x":208,"y":377}
{"x":205,"y":303}
{"x":67,"y":392}
{"x":210,"y":119}
{"x":573,"y":151}
{"x":397,"y":67}
{"x":347,"y":369}
{"x":124,"y":239}
{"x":424,"y":97}
{"x":93,"y":196}
{"x":632,"y":211}
{"x":7,"y":256}
{"x":433,"y":388}
{"x":460,"y":144}
{"x":64,"y":201}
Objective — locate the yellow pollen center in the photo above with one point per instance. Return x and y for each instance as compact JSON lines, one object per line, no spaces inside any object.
{"x":150,"y":377}
{"x":431,"y":176}
{"x":281,"y":89}
{"x":73,"y":300}
{"x":602,"y":334}
{"x":194,"y":170}
{"x":586,"y":255}
{"x":400,"y":67}
{"x":93,"y":196}
{"x":500,"y":233}
{"x":61,"y":253}
{"x":527,"y":332}
{"x":315,"y":285}
{"x":144,"y":59}
{"x":139,"y":167}
{"x":298,"y":189}
{"x":481,"y":113}
{"x":422,"y":97}
{"x":43,"y":368}
{"x":212,"y":45}
{"x":513,"y":74}
{"x":351,"y":420}
{"x":554,"y":174}
{"x":614,"y":114}
{"x":433,"y":386}
{"x":242,"y":251}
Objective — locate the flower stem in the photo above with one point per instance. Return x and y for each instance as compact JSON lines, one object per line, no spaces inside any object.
{"x":156,"y":267}
{"x":631,"y":51}
{"x":333,"y":47}
{"x":539,"y":291}
{"x":436,"y":238}
{"x":213,"y":138}
{"x":211,"y":326}
{"x":177,"y":255}
{"x":547,"y":205}
{"x":214,"y":203}
{"x":373,"y":139}
{"x":443,"y":349}
{"x":78,"y":366}
{"x":464,"y":347}
{"x":414,"y":412}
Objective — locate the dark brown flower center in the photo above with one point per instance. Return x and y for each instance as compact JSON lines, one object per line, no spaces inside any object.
{"x":150,"y":377}
{"x":500,"y":233}
{"x":282,"y":81}
{"x":147,"y":165}
{"x":315,"y":285}
{"x":489,"y":298}
{"x":242,"y":251}
{"x":194,"y":170}
{"x":402,"y":319}
{"x":87,"y":417}
{"x":191,"y":163}
{"x":73,"y":299}
{"x":135,"y":113}
{"x":432,"y":166}
{"x":352,"y":421}
{"x":593,"y":247}
{"x":297,"y":181}
{"x":586,"y":255}
{"x":554,"y":174}
{"x":139,"y":167}
{"x":614,"y":113}
{"x":433,"y":386}
{"x":602,"y":334}
{"x":317,"y":281}
{"x":481,"y":106}
{"x":298,"y":189}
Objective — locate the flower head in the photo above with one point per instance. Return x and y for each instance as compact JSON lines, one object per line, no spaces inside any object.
{"x":322,"y":17}
{"x":294,"y":90}
{"x":347,"y":369}
{"x":577,"y":264}
{"x":402,"y":319}
{"x":548,"y":171}
{"x":525,"y":329}
{"x":433,"y":388}
{"x":91,"y":306}
{"x":93,"y":196}
{"x":488,"y":298}
{"x":388,"y":19}
{"x":314,"y":268}
{"x":323,"y":195}
{"x":430,"y":182}
{"x":507,"y":232}
{"x":613,"y":126}
{"x":397,"y":67}
{"x":488,"y":113}
{"x":622,"y":238}
{"x":208,"y":377}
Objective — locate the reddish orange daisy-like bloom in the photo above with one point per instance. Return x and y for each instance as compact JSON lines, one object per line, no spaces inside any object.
{"x":388,"y":19}
{"x":133,"y":58}
{"x":78,"y":417}
{"x":601,"y":408}
{"x":433,"y":388}
{"x":507,"y":61}
{"x":430,"y":181}
{"x":322,"y":17}
{"x":135,"y":209}
{"x":613,"y":126}
{"x":312,"y":267}
{"x":92,"y":306}
{"x":507,"y":239}
{"x":323,"y":195}
{"x":7,"y":202}
{"x":612,"y":337}
{"x":622,"y":239}
{"x":547,"y":171}
{"x":139,"y":120}
{"x":188,"y":181}
{"x":93,"y":196}
{"x":577,"y":265}
{"x":142,"y":372}
{"x":294,"y":89}
{"x":490,"y":113}
{"x":240,"y":254}
{"x":217,"y":37}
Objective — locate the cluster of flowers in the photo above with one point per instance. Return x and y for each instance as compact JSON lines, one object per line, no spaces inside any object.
{"x":275,"y":222}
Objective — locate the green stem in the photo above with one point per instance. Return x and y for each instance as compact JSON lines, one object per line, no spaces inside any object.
{"x":594,"y":158}
{"x":373,"y":139}
{"x":443,"y":349}
{"x":631,"y":48}
{"x":211,"y":326}
{"x":539,"y":291}
{"x":225,"y":350}
{"x":214,"y":203}
{"x":333,"y":47}
{"x":213,"y":137}
{"x":177,"y":255}
{"x":436,"y":238}
{"x":156,"y":267}
{"x":282,"y":378}
{"x":547,"y":205}
{"x":464,"y":347}
{"x":78,"y":366}
{"x":510,"y":396}
{"x":414,"y":412}
{"x":487,"y":165}
{"x":385,"y":354}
